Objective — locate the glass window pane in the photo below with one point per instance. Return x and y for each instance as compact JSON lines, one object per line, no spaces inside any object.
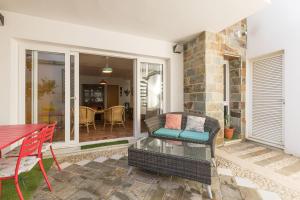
{"x":51,"y":91}
{"x":151,"y":91}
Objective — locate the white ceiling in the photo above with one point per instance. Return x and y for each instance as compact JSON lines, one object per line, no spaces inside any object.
{"x":91,"y":65}
{"x":170,"y":20}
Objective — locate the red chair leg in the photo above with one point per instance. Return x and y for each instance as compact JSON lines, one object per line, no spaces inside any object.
{"x":44,"y":174}
{"x":0,"y":188}
{"x":18,"y":188}
{"x":54,"y":158}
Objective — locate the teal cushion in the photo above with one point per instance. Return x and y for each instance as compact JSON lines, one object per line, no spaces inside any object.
{"x":166,"y":132}
{"x":192,"y":135}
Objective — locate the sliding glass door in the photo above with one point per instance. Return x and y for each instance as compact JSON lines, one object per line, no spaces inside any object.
{"x":50,"y":91}
{"x":151,"y":90}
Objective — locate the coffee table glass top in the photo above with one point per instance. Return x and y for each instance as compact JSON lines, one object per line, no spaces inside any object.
{"x":176,"y":148}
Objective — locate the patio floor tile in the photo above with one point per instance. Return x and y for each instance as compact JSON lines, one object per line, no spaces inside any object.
{"x":109,"y":181}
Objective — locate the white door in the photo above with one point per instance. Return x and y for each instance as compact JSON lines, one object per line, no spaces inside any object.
{"x":151,"y":92}
{"x":49,"y":90}
{"x":268,"y":100}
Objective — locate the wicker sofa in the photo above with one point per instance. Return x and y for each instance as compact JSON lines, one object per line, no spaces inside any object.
{"x":211,"y":126}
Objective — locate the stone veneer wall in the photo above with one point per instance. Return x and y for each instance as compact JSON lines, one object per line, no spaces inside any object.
{"x":194,"y":75}
{"x":204,"y":57}
{"x":235,"y":93}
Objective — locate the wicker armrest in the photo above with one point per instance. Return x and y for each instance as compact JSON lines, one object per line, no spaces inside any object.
{"x":153,"y":124}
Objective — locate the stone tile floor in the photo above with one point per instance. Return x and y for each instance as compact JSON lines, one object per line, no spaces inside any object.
{"x":270,"y":168}
{"x":106,"y":178}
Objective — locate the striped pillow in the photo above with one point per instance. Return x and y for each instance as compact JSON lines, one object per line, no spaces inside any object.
{"x":195,"y":123}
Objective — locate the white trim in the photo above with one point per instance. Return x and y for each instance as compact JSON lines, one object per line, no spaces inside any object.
{"x":67,"y":50}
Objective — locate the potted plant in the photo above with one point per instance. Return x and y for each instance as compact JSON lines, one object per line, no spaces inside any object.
{"x":228,"y":130}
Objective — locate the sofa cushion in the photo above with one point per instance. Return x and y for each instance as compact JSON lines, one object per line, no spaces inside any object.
{"x":166,"y":132}
{"x":195,"y":123}
{"x":173,"y":121}
{"x":193,"y":135}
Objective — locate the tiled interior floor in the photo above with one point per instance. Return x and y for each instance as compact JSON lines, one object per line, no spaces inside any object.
{"x":100,"y":133}
{"x":106,"y":178}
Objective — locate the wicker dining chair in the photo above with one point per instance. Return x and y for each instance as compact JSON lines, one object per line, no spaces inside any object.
{"x":87,"y":117}
{"x":114,"y":115}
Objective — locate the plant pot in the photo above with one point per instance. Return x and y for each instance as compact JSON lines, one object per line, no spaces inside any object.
{"x":228,"y":133}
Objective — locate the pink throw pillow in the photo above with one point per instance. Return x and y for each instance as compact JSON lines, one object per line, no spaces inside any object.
{"x":173,"y":121}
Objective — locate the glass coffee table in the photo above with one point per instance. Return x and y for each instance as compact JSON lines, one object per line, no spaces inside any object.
{"x":175,"y":158}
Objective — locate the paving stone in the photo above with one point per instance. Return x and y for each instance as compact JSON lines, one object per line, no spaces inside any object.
{"x":98,"y":188}
{"x":110,"y":162}
{"x":266,"y":195}
{"x":229,"y":180}
{"x":155,"y":193}
{"x":109,"y":180}
{"x":63,"y":176}
{"x":256,"y":153}
{"x":83,"y":195}
{"x":188,"y":195}
{"x":64,"y":190}
{"x":116,"y":156}
{"x":65,"y":165}
{"x":138,"y":189}
{"x":42,"y":195}
{"x":290,"y":169}
{"x":271,"y":160}
{"x":119,"y":196}
{"x":100,"y":159}
{"x":229,"y":192}
{"x":224,"y":171}
{"x":250,"y":194}
{"x":83,"y":162}
{"x":244,"y":182}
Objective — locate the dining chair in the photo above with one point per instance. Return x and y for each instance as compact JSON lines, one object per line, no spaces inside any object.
{"x":29,"y":156}
{"x":114,"y":115}
{"x":47,"y":141}
{"x":87,"y":117}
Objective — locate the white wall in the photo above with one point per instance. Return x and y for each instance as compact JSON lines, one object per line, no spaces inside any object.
{"x":277,"y":27}
{"x":23,"y":27}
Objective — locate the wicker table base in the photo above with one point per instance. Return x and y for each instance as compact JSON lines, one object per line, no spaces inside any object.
{"x":173,"y":165}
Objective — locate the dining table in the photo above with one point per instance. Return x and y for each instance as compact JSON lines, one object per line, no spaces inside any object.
{"x":9,"y":134}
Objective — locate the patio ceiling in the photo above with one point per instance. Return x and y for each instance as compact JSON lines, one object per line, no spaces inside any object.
{"x":170,"y":20}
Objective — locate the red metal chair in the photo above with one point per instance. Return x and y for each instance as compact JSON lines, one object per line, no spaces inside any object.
{"x":29,"y":156}
{"x":47,"y":142}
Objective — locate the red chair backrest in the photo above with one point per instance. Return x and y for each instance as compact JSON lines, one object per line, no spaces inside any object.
{"x":48,"y":135}
{"x":31,"y":146}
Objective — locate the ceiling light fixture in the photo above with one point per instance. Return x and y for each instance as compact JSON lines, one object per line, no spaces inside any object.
{"x":103,"y":82}
{"x":107,"y":69}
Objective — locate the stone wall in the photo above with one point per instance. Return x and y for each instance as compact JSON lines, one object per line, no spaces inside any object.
{"x":204,"y":57}
{"x":194,"y":75}
{"x":235,"y":93}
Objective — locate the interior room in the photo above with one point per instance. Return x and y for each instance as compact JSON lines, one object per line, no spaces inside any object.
{"x":106,"y":97}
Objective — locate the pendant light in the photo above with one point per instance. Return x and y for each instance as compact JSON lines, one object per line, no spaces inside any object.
{"x":103,"y":82}
{"x":107,"y":69}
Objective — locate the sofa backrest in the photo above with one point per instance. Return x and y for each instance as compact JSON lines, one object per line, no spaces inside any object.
{"x":209,"y":125}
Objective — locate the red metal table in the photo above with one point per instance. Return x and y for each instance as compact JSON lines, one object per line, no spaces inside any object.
{"x":10,"y":134}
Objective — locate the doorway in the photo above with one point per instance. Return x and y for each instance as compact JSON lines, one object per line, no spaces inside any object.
{"x":59,"y":81}
{"x":106,"y":95}
{"x":113,"y":95}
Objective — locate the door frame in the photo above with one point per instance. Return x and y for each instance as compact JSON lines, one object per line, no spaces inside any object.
{"x":249,"y":94}
{"x":71,"y":50}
